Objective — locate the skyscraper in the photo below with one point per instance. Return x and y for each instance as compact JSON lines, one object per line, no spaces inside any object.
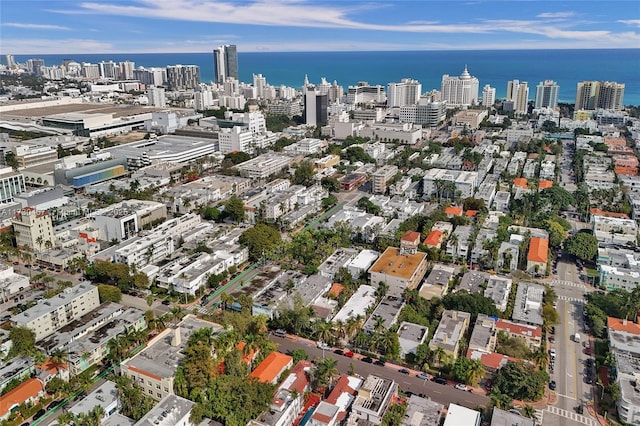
{"x":315,"y":107}
{"x":488,"y":96}
{"x":547,"y":94}
{"x":592,"y":95}
{"x":182,"y":77}
{"x":225,"y":62}
{"x":518,"y":93}
{"x":460,"y":91}
{"x":407,"y":92}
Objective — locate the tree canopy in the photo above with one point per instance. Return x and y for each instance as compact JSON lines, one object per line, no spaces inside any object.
{"x":234,"y":208}
{"x":582,"y":245}
{"x":109,"y":293}
{"x":303,"y":174}
{"x":259,"y":240}
{"x":24,"y":341}
{"x":521,"y":381}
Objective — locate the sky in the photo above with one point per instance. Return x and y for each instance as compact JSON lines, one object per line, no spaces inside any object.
{"x":154,"y":26}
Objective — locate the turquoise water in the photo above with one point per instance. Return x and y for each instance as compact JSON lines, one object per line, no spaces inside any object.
{"x":494,"y":67}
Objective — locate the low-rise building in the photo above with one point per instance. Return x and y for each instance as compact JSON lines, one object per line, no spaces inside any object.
{"x":333,"y":410}
{"x":264,"y":166}
{"x":362,"y":262}
{"x":452,"y":327}
{"x":422,"y":412}
{"x":614,"y":230}
{"x":510,"y":418}
{"x":105,"y":396}
{"x":472,"y":281}
{"x":172,"y":410}
{"x":10,"y":282}
{"x":410,"y":336}
{"x":357,"y":304}
{"x":528,"y":305}
{"x":498,"y":289}
{"x":484,"y":335}
{"x":373,"y":398}
{"x":341,"y":258}
{"x":385,"y":315}
{"x":26,"y":392}
{"x":457,"y":415}
{"x":529,"y":334}
{"x":538,"y":255}
{"x":270,"y":369}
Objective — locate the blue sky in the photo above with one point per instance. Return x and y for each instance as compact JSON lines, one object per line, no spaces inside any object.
{"x":128,"y":26}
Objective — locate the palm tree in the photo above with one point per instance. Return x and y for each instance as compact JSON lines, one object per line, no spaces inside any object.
{"x":378,"y":325}
{"x":382,"y":289}
{"x":475,"y":372}
{"x":453,"y":241}
{"x":226,"y":299}
{"x":439,"y":354}
{"x":529,"y":411}
{"x":541,"y":357}
{"x":323,"y":332}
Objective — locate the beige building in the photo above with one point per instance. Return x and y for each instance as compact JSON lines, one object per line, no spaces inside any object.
{"x":451,"y":329}
{"x":380,"y":178}
{"x":49,"y":315}
{"x":33,"y":229}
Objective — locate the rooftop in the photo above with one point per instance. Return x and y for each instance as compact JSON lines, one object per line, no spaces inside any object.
{"x":357,"y":304}
{"x":458,"y":415}
{"x":472,"y":281}
{"x":49,"y":305}
{"x":509,"y":418}
{"x":393,"y":263}
{"x":450,"y":329}
{"x":528,"y":305}
{"x":538,"y":250}
{"x":271,"y":367}
{"x":24,"y":391}
{"x":484,"y":332}
{"x":170,"y":411}
{"x":388,"y":309}
{"x":104,"y":396}
{"x":422,"y":412}
{"x":440,"y":275}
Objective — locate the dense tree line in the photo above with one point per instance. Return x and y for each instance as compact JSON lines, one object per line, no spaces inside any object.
{"x":521,"y":381}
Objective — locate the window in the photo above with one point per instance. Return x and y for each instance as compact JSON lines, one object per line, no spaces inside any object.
{"x":158,"y":387}
{"x":159,"y":395}
{"x":150,"y":392}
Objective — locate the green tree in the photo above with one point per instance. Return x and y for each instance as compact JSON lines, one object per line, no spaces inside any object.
{"x":304,"y":174}
{"x":234,"y":208}
{"x":24,"y":341}
{"x":109,"y":293}
{"x":330,"y":184}
{"x":259,"y":240}
{"x":557,"y":233}
{"x":298,"y":355}
{"x":521,"y":381}
{"x":582,"y":245}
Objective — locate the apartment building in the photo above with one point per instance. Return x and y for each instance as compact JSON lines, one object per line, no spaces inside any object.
{"x":11,"y":184}
{"x":33,"y":229}
{"x":452,"y":327}
{"x":380,"y":178}
{"x":614,"y":230}
{"x":49,"y":315}
{"x":373,"y":398}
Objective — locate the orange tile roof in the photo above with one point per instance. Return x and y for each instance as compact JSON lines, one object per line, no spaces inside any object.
{"x":411,"y":236}
{"x":538,"y":250}
{"x":521,"y":182}
{"x":25,"y":391}
{"x":522,"y":329}
{"x":544,"y":184}
{"x":271,"y":367}
{"x":434,"y":238}
{"x":626,"y":170}
{"x":52,"y":367}
{"x":301,"y":380}
{"x":471,"y":213}
{"x":596,"y":211}
{"x":392,"y":263}
{"x":453,"y":210}
{"x":617,"y":324}
{"x":336,"y":289}
{"x":495,"y":361}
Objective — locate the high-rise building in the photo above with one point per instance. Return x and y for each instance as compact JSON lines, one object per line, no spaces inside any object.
{"x":150,"y":76}
{"x":488,"y":96}
{"x":126,"y":70}
{"x":315,"y":107}
{"x":225,"y":63}
{"x":363,"y":93}
{"x":407,"y":92}
{"x":90,"y":70}
{"x":9,"y":61}
{"x":156,"y":97}
{"x":260,"y":84}
{"x":34,"y":65}
{"x":518,"y":93}
{"x":460,"y":91}
{"x":335,"y":92}
{"x":592,"y":95}
{"x":109,"y":69}
{"x":547,"y":94}
{"x":183,"y":77}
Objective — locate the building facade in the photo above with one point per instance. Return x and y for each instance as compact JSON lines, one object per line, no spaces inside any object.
{"x":460,"y":91}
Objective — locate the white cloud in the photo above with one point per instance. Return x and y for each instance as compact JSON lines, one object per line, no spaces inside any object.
{"x":34,"y":26}
{"x":632,"y":22}
{"x":555,"y":15}
{"x":37,"y":46}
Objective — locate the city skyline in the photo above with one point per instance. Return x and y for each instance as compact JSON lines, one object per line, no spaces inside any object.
{"x":255,"y":26}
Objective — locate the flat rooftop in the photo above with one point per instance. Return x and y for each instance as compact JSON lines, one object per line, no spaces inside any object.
{"x":104,"y":396}
{"x":388,"y":309}
{"x":168,"y":412}
{"x":357,"y":304}
{"x":422,"y":412}
{"x":116,"y":110}
{"x":472,"y":281}
{"x":396,"y":265}
{"x":440,"y":275}
{"x":49,"y":305}
{"x":160,"y":358}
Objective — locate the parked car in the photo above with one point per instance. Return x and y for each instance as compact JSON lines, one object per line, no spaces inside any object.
{"x":552,"y":385}
{"x":461,"y":386}
{"x":280,"y":333}
{"x":323,"y":346}
{"x":423,"y":376}
{"x":440,"y":380}
{"x":404,"y":371}
{"x":166,"y":302}
{"x":338,"y":351}
{"x":41,"y":412}
{"x":53,"y":405}
{"x":367,"y":359}
{"x":379,"y":362}
{"x":348,"y":354}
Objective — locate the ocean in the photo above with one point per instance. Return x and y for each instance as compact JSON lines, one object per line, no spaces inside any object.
{"x":493,"y":67}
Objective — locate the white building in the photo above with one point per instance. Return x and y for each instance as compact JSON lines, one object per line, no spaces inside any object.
{"x":488,"y":95}
{"x":460,"y":91}
{"x":457,"y":415}
{"x":406,"y":92}
{"x":156,"y":97}
{"x":547,"y":94}
{"x":33,"y":229}
{"x":172,"y":410}
{"x":373,"y":398}
{"x":518,"y":93}
{"x":11,"y":183}
{"x":465,"y":182}
{"x":10,"y":282}
{"x":614,"y":230}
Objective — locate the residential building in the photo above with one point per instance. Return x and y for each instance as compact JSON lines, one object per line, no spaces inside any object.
{"x":498,"y":289}
{"x":363,"y":93}
{"x":49,"y":315}
{"x":460,"y":91}
{"x":10,"y":282}
{"x":333,"y":410}
{"x":422,"y":412}
{"x":270,"y":369}
{"x":547,"y":94}
{"x":153,"y":369}
{"x":33,"y":229}
{"x":124,"y":220}
{"x":406,"y":92}
{"x":385,"y":314}
{"x":529,"y":334}
{"x":26,"y":392}
{"x":457,"y":415}
{"x":18,"y":368}
{"x":380,"y":178}
{"x":373,"y":398}
{"x":362,"y":262}
{"x":614,"y":230}
{"x":156,"y":97}
{"x":357,"y":304}
{"x":426,"y":113}
{"x":472,"y":281}
{"x":172,"y":410}
{"x":623,"y":341}
{"x":510,"y":418}
{"x":400,"y":268}
{"x":452,"y":327}
{"x":488,"y":96}
{"x":619,"y":277}
{"x":264,"y":166}
{"x":11,"y":184}
{"x":458,"y":243}
{"x":105,"y":396}
{"x":518,"y":96}
{"x":225,"y":63}
{"x":435,"y":183}
{"x":338,"y":259}
{"x":469,"y":119}
{"x":538,"y":255}
{"x":315,"y":107}
{"x":484,"y":336}
{"x":501,"y":201}
{"x":528,"y":305}
{"x":591,"y":95}
{"x":183,"y":77}
{"x":139,"y":251}
{"x":411,"y":336}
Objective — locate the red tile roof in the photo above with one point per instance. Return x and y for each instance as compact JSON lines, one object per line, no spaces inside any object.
{"x":301,"y":380}
{"x":538,"y":250}
{"x":24,"y":392}
{"x":471,"y":213}
{"x":434,"y":238}
{"x":617,"y":324}
{"x":271,"y":367}
{"x":341,"y":387}
{"x":453,"y":210}
{"x":521,"y":182}
{"x":596,"y":211}
{"x":521,"y":329}
{"x":493,"y":360}
{"x":544,"y":184}
{"x":336,"y":289}
{"x":411,"y":236}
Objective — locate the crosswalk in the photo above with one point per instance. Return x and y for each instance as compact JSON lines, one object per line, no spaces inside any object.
{"x":569,"y":283}
{"x":571,"y":299}
{"x":584,"y":420}
{"x":539,"y":414}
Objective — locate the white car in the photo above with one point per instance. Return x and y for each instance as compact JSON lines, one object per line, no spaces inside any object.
{"x":460,"y":386}
{"x":552,"y":353}
{"x":323,"y":346}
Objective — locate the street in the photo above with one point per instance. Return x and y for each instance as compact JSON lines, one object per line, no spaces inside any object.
{"x":444,"y":394}
{"x":569,"y":372}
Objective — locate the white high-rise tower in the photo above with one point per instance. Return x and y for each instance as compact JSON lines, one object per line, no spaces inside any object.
{"x":460,"y":91}
{"x":488,"y":96}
